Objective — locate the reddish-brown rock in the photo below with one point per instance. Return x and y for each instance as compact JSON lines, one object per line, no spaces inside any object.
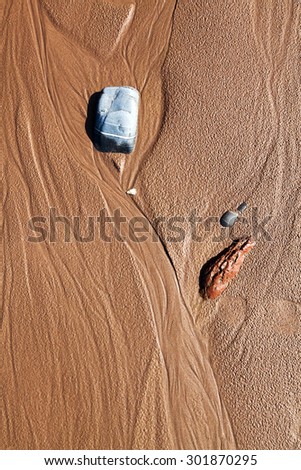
{"x":218,"y":272}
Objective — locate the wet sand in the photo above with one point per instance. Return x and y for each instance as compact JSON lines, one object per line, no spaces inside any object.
{"x":109,"y":345}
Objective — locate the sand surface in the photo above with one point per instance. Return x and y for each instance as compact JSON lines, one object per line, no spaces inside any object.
{"x":108,"y":345}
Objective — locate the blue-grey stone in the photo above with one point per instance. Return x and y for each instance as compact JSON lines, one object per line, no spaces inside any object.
{"x":242,"y":207}
{"x":116,"y":120}
{"x":228,"y":219}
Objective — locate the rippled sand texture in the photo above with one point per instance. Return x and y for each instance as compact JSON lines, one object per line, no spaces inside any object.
{"x":108,"y":345}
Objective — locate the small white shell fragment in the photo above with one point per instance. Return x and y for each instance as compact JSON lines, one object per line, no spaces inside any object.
{"x":132,"y":191}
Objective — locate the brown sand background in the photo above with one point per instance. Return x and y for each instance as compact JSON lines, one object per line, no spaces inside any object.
{"x":109,"y":345}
